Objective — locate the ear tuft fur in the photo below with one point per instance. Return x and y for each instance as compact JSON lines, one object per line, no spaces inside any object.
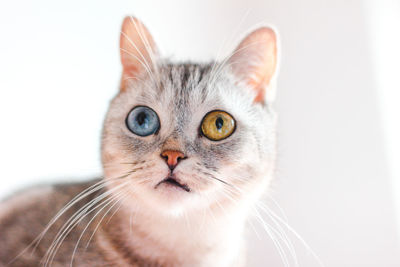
{"x":255,"y":60}
{"x":137,"y":48}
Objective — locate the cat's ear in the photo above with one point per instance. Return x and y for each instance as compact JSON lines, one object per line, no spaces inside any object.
{"x":254,"y":62}
{"x":137,"y":48}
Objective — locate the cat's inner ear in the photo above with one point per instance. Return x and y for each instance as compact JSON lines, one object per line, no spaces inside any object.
{"x":137,"y":48}
{"x":254,"y":61}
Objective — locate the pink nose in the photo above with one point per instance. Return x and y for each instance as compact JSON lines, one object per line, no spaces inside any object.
{"x":172,"y":157}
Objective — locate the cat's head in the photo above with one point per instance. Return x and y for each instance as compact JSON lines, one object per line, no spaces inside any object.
{"x":186,"y":136}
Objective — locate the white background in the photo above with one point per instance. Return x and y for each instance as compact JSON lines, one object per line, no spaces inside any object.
{"x":338,"y":174}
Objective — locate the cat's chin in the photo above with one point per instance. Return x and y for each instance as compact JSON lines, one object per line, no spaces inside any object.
{"x":172,"y":183}
{"x":170,"y":201}
{"x":172,"y":196}
{"x":170,"y":190}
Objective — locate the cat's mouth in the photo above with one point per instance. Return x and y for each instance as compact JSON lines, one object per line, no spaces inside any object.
{"x":171,"y":180}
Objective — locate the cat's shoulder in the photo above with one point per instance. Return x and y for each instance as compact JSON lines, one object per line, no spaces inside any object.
{"x":23,"y":199}
{"x":24,"y":215}
{"x":40,"y":197}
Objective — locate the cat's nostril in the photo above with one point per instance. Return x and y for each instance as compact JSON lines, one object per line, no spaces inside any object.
{"x":172,"y":158}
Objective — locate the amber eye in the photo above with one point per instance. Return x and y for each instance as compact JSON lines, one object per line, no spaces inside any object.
{"x":217,"y":125}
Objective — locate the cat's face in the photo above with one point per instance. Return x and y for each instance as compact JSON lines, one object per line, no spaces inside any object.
{"x":187,"y":136}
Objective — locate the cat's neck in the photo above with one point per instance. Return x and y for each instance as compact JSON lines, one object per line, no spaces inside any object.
{"x":210,"y":238}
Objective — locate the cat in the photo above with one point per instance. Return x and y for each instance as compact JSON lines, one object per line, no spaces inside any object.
{"x":187,"y":149}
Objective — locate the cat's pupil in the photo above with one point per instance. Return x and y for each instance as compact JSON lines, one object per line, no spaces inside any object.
{"x":219,"y":123}
{"x":142,"y":119}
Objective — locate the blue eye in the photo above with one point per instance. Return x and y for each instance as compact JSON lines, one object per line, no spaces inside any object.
{"x":143,"y":121}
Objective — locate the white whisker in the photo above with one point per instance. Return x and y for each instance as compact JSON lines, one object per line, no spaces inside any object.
{"x":273,"y":214}
{"x":85,"y":193}
{"x":114,"y":199}
{"x":73,"y":221}
{"x":267,"y":228}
